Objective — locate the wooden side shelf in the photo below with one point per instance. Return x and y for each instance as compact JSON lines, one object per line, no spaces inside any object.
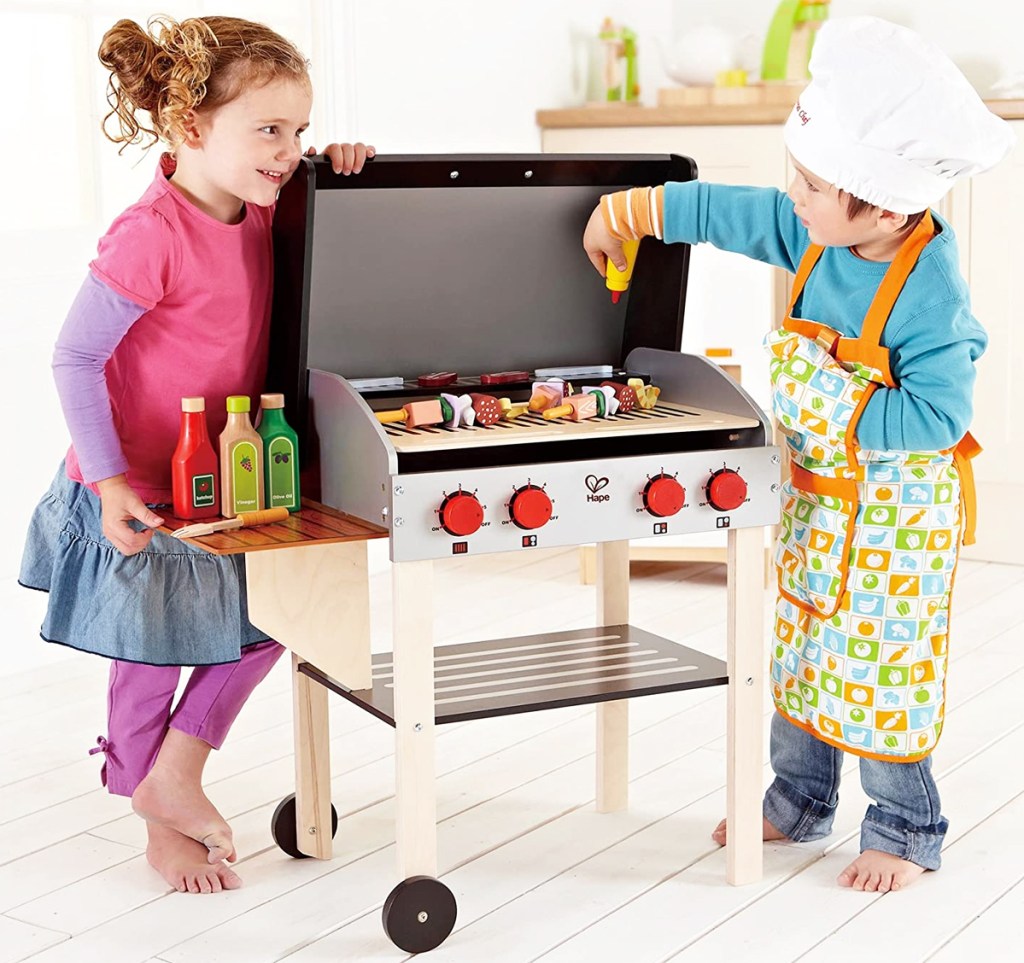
{"x":477,"y":680}
{"x":313,"y":524}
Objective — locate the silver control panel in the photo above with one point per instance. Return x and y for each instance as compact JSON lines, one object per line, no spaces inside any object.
{"x":522,"y":507}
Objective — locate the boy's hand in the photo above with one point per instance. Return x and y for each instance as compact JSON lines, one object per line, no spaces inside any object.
{"x":347,"y":158}
{"x":121,"y":505}
{"x":601,"y":246}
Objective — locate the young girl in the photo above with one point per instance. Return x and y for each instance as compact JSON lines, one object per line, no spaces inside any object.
{"x":872,"y":374}
{"x":176,"y":303}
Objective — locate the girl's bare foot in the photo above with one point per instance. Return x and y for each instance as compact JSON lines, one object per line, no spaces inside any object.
{"x":770,"y":833}
{"x":182,"y":862}
{"x":876,"y":872}
{"x":182,"y":806}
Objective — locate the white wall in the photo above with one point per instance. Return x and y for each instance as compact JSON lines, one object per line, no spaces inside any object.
{"x":408,"y":75}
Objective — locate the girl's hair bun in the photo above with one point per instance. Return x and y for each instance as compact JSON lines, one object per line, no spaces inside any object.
{"x":170,"y":69}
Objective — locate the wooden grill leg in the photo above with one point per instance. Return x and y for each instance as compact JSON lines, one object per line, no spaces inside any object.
{"x":612,"y":717}
{"x":313,"y":829}
{"x":415,"y":790}
{"x":745,"y":712}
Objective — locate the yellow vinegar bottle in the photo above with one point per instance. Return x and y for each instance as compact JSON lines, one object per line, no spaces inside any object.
{"x":241,"y":461}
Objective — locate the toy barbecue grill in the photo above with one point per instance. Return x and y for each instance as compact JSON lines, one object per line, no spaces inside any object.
{"x":475,"y":266}
{"x":426,"y":280}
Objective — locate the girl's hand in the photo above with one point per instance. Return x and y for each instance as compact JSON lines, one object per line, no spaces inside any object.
{"x":347,"y":158}
{"x":601,"y":246}
{"x":121,"y":505}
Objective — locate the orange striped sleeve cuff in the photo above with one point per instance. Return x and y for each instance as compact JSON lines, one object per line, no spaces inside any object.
{"x":636,"y":213}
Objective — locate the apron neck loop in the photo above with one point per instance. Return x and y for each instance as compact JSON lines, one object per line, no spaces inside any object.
{"x":895,"y":279}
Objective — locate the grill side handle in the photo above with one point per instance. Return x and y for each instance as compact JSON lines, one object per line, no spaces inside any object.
{"x":689,"y":379}
{"x":357,"y":461}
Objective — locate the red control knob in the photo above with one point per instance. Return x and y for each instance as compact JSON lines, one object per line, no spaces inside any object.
{"x":461,"y":513}
{"x":726,"y":490}
{"x":664,"y":496}
{"x":530,"y":507}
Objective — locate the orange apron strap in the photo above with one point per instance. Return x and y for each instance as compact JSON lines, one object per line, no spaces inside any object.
{"x":892,"y":284}
{"x":808,"y":481}
{"x":867,"y":349}
{"x":807,"y":263}
{"x":965,"y":450}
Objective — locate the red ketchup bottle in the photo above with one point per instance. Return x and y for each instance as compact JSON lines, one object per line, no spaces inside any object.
{"x":195,"y":479}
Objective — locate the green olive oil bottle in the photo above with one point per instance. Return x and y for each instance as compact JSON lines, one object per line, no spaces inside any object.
{"x":280,"y":455}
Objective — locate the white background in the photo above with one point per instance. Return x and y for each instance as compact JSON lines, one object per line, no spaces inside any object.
{"x":443,"y":76}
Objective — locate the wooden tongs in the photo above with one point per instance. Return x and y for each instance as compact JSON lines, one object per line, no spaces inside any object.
{"x":242,"y":520}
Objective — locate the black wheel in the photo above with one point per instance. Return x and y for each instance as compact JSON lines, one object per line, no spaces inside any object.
{"x":282,"y":827}
{"x":419,"y":914}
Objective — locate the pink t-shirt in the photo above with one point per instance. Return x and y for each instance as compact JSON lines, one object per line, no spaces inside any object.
{"x":205,"y":288}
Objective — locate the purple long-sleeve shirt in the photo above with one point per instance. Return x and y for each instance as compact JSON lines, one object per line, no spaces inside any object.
{"x":99,"y":318}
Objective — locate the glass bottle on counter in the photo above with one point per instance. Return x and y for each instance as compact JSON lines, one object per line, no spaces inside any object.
{"x":280,"y":455}
{"x":241,"y":461}
{"x":194,"y":474}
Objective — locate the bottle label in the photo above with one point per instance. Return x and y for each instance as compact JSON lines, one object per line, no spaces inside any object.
{"x":203,"y":492}
{"x":281,"y":474}
{"x":245,"y":487}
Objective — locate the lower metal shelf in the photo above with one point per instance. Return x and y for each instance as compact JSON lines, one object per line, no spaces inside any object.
{"x":476,"y":680}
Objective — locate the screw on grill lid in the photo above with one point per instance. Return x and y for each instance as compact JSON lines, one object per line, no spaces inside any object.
{"x":193,"y":404}
{"x":238,"y":404}
{"x":271,"y":401}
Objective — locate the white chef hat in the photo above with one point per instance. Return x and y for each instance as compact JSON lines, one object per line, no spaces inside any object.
{"x":889,"y":118}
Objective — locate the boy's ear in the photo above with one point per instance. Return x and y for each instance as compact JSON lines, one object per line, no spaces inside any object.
{"x":891,"y":222}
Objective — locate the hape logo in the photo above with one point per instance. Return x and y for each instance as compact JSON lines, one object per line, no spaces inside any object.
{"x":802,"y":114}
{"x":595,"y":484}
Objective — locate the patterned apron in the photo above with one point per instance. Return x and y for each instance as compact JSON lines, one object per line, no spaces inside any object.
{"x":868,"y":541}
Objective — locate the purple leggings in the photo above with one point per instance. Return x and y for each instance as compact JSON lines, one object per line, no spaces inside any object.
{"x":139,"y":709}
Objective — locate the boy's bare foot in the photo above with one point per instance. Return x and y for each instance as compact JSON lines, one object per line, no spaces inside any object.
{"x":770,"y":833}
{"x":182,"y":862}
{"x":876,"y":872}
{"x":182,"y":806}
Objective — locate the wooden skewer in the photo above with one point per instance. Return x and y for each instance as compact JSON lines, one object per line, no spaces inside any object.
{"x":243,"y":520}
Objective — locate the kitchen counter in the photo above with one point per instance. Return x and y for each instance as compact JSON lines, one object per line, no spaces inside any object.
{"x":619,"y":115}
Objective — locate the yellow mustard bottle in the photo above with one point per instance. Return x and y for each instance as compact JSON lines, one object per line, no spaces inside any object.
{"x":241,"y":461}
{"x":618,"y":281}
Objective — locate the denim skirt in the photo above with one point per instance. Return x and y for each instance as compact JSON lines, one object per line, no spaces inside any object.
{"x":171,"y":604}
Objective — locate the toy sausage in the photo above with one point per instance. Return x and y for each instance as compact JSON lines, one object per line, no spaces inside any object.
{"x":487,"y":409}
{"x":624,"y":394}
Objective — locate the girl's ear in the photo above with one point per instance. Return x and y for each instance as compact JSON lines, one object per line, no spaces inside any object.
{"x":190,"y":130}
{"x":891,"y":222}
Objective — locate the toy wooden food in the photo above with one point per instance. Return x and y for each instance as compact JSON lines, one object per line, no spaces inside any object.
{"x":607,"y":405}
{"x":546,"y":394}
{"x":576,"y":408}
{"x":437,"y":379}
{"x":487,"y":409}
{"x":415,"y":414}
{"x":459,"y":410}
{"x":647,"y":395}
{"x":509,"y":411}
{"x":624,"y":394}
{"x":504,"y":377}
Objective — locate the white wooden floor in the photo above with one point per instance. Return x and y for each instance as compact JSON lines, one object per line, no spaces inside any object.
{"x":537,"y":873}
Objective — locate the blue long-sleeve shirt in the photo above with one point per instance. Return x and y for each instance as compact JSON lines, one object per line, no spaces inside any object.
{"x":932,"y":337}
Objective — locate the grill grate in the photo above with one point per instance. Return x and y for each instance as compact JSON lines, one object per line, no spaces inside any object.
{"x":532,"y":426}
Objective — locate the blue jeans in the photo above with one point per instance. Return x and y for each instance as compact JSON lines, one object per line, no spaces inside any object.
{"x":801,"y":803}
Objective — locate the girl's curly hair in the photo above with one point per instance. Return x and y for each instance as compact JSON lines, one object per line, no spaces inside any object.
{"x":171,"y":69}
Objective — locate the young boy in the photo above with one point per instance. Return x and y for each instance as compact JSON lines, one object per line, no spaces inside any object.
{"x":872,"y":373}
